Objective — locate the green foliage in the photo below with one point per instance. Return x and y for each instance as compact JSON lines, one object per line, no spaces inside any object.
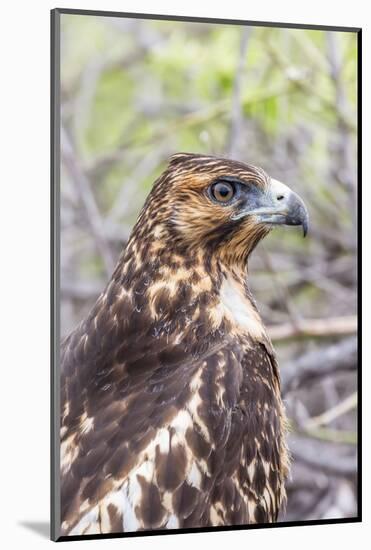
{"x":134,"y":92}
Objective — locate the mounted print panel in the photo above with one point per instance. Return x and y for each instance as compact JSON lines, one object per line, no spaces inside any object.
{"x":205,"y":194}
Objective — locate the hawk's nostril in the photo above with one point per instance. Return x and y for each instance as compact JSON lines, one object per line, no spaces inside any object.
{"x":280,"y":197}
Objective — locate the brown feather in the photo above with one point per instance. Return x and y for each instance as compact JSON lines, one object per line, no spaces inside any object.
{"x":171,"y":411}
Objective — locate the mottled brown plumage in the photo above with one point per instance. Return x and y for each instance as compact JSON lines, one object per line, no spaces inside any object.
{"x":171,"y":411}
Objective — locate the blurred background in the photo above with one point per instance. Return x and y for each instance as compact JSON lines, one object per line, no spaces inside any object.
{"x":133,"y":92}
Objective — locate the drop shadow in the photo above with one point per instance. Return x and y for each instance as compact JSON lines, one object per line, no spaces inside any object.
{"x":41,"y":528}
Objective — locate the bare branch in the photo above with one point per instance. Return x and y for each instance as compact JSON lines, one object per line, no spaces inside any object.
{"x":87,"y":199}
{"x":282,"y":292}
{"x":320,"y":456}
{"x":314,"y":328}
{"x":345,"y":170}
{"x":330,"y":435}
{"x":320,"y":362}
{"x":237,"y":114}
{"x":328,"y":416}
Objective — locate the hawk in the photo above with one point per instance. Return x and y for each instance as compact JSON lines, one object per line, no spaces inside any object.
{"x":171,"y":413}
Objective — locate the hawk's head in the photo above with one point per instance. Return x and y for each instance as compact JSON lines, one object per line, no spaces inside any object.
{"x":219,"y":205}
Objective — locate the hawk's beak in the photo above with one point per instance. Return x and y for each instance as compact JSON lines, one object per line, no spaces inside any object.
{"x":278,"y":206}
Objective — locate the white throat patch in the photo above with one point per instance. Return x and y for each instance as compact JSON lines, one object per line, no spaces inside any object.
{"x":239,"y":309}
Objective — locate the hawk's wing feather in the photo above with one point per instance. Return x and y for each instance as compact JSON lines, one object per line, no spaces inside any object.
{"x":133,"y":417}
{"x":170,"y":448}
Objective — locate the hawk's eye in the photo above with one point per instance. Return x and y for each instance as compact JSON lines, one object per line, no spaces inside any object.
{"x":223,"y":191}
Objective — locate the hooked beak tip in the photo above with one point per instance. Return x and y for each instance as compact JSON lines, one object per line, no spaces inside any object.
{"x":305,"y":222}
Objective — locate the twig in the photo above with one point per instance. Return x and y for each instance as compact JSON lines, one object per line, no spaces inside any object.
{"x":345,"y":168}
{"x":237,"y":113}
{"x":282,"y":291}
{"x":314,"y":328}
{"x":320,"y":456}
{"x":124,"y":200}
{"x":87,"y":200}
{"x":329,"y":434}
{"x":335,"y":65}
{"x":199,"y":117}
{"x":331,"y":414}
{"x":305,"y":85}
{"x":321,"y":362}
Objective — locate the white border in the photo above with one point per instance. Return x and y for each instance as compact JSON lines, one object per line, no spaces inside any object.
{"x":24,"y":219}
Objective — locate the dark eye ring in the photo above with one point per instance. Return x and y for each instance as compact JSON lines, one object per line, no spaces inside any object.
{"x":223,"y":191}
